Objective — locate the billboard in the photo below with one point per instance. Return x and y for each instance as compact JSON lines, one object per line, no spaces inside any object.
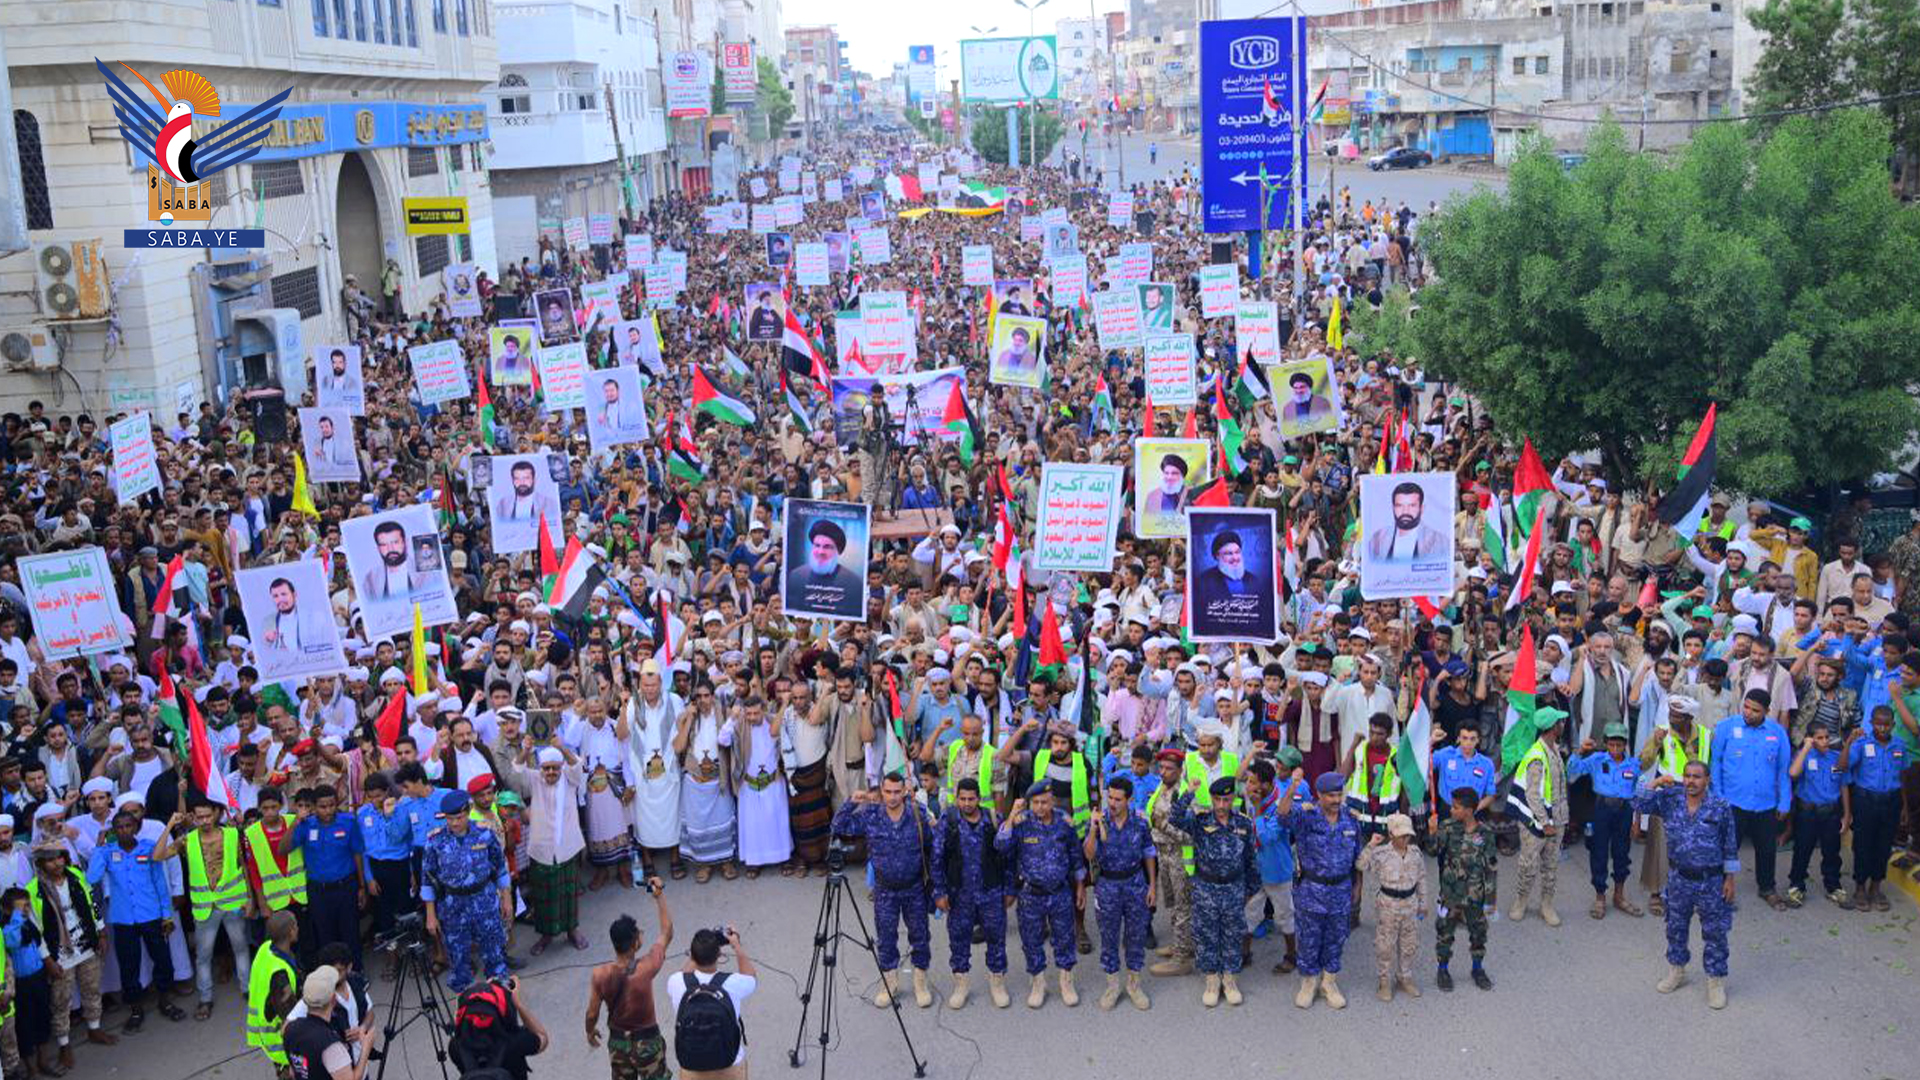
{"x":1001,"y":70}
{"x":737,"y":67}
{"x":689,"y":84}
{"x":1252,"y":93}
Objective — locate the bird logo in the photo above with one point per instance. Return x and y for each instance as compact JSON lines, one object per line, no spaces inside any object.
{"x":165,"y":136}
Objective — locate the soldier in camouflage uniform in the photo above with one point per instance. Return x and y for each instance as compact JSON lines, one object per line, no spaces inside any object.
{"x":1467,"y":854}
{"x":1176,"y":866}
{"x":1904,"y":553}
{"x":1705,"y":850}
{"x":1051,"y":871}
{"x":1398,"y":871}
{"x":1225,"y":874}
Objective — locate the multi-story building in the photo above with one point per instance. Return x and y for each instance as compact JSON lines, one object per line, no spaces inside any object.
{"x":578,"y":118}
{"x":1082,"y":48}
{"x":386,"y":105}
{"x":814,"y":66}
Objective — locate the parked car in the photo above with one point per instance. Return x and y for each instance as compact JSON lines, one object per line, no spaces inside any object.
{"x":1400,"y":157}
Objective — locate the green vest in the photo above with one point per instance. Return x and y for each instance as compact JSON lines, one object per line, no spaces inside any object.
{"x":1674,"y":755}
{"x":278,"y":889}
{"x":1359,"y":785}
{"x":1196,"y":775}
{"x":986,"y":769}
{"x":8,"y":1014}
{"x":1186,"y":850}
{"x":263,"y":1031}
{"x":33,"y":893}
{"x":1082,"y":809}
{"x":228,"y":892}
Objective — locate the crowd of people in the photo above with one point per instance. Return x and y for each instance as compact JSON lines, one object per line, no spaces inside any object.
{"x":993,"y":739}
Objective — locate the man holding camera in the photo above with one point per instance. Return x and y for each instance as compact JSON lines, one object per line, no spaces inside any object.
{"x":625,"y":984}
{"x":705,"y":1043}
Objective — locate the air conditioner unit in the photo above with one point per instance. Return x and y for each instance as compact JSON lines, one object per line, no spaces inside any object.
{"x":28,"y":348}
{"x":72,"y":280}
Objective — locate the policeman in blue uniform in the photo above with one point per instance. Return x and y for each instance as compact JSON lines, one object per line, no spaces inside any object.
{"x":1705,"y":851}
{"x":1615,"y":774}
{"x":469,"y":896}
{"x":1327,"y":840}
{"x":970,"y":885}
{"x":1225,"y":874}
{"x":1120,"y":845}
{"x":899,"y":839}
{"x":1052,"y":873}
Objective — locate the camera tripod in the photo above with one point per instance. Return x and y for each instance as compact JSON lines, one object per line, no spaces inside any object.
{"x":413,"y":970}
{"x":827,"y":936}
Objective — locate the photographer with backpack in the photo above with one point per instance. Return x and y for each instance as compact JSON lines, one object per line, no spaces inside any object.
{"x":709,"y":1036}
{"x":494,"y":1033}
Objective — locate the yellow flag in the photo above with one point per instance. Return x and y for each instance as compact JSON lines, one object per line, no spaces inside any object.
{"x":302,"y":495}
{"x":419,"y":653}
{"x":1336,"y":340}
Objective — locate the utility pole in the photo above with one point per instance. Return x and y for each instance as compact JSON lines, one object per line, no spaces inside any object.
{"x":619,"y":152}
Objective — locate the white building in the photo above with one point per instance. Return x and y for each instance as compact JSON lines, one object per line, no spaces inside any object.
{"x":385,"y":106}
{"x":1082,"y":50}
{"x":578,"y":118}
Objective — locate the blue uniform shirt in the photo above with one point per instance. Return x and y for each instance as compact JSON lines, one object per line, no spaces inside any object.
{"x":1275,"y":842}
{"x":1750,"y":764}
{"x":330,"y":846}
{"x":1454,"y":770}
{"x":1820,"y":777}
{"x":138,"y":891}
{"x":1046,"y":855}
{"x":1615,"y":779}
{"x":1697,"y":841}
{"x":379,"y":838}
{"x":26,"y":959}
{"x":1327,"y":849}
{"x":415,"y":816}
{"x":461,"y":862}
{"x":1124,"y":853}
{"x":972,"y":839}
{"x":896,"y":850}
{"x":1875,"y":766}
{"x":1223,"y":853}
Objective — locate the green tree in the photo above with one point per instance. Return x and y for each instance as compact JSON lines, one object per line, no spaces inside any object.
{"x":1803,"y":59}
{"x":1609,"y":306}
{"x":1387,"y":332}
{"x":718,"y":99}
{"x":772,"y":99}
{"x":1883,"y":46}
{"x":990,"y":133}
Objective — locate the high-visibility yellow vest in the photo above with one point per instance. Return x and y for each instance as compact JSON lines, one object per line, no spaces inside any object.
{"x":986,"y":768}
{"x":1082,"y":810}
{"x":1196,"y":777}
{"x":1186,"y":850}
{"x":1674,"y":754}
{"x":228,"y":892}
{"x":277,"y":888}
{"x":1536,"y":752}
{"x":1359,"y":785}
{"x":263,"y":1031}
{"x":8,"y":1014}
{"x":33,"y":893}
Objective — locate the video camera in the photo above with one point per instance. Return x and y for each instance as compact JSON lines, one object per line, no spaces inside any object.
{"x":409,"y":933}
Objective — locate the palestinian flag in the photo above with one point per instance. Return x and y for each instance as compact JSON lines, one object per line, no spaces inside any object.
{"x":1052,"y":661}
{"x":167,"y":699}
{"x":1493,"y":534}
{"x":723,"y":407}
{"x":1251,"y":384}
{"x":1231,"y":437}
{"x":798,"y":354}
{"x":910,"y":187}
{"x":1523,"y":585}
{"x":1531,"y":485}
{"x":445,"y":507}
{"x":486,"y":407}
{"x":735,"y":366}
{"x":1214,"y":494}
{"x":1191,"y":429}
{"x":206,"y":776}
{"x":1267,"y":94}
{"x":1520,"y":703}
{"x":1102,"y":400}
{"x":959,"y":417}
{"x":580,"y":573}
{"x":1686,"y":504}
{"x":683,"y":457}
{"x":1290,"y":565}
{"x":174,"y":580}
{"x":392,"y":721}
{"x":981,"y":198}
{"x":795,"y":410}
{"x":1414,"y":757}
{"x":549,"y":565}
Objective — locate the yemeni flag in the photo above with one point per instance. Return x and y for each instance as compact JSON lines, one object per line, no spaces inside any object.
{"x":1493,"y":534}
{"x":1290,"y":565}
{"x":1531,"y":485}
{"x":1231,"y":437}
{"x":392,"y":721}
{"x":580,"y":573}
{"x":1052,"y":661}
{"x":486,"y":407}
{"x":958,"y":417}
{"x":208,"y":779}
{"x":1520,"y":703}
{"x":798,"y":354}
{"x":1523,"y":585}
{"x":795,"y":410}
{"x":1414,"y":757}
{"x":1687,"y":503}
{"x":724,"y":407}
{"x":167,"y":699}
{"x":174,"y":580}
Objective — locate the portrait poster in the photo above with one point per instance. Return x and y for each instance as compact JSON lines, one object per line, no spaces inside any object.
{"x":1059,"y":240}
{"x":779,"y":249}
{"x":1116,"y":317}
{"x":461,"y":284}
{"x":825,"y":559}
{"x":873,"y":205}
{"x":338,"y":379}
{"x":563,"y":375}
{"x":639,"y":251}
{"x":1013,"y":296}
{"x":1080,"y":510}
{"x":290,"y":621}
{"x":1017,"y":351}
{"x":766,"y":311}
{"x":636,"y":343}
{"x":1171,"y":379}
{"x":1156,"y":306}
{"x":1406,"y":535}
{"x":1307,"y":394}
{"x":1166,"y":475}
{"x":839,"y":250}
{"x":1219,"y":290}
{"x":439,"y":372}
{"x":72,"y":601}
{"x":397,"y":562}
{"x":810,"y":263}
{"x":521,"y":490}
{"x":1231,"y":593}
{"x":510,"y":355}
{"x":616,"y":412}
{"x":555,"y":310}
{"x":327,"y":441}
{"x":976,"y":264}
{"x":1256,"y":332}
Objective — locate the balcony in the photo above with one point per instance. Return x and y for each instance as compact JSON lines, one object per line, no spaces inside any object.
{"x":536,"y":140}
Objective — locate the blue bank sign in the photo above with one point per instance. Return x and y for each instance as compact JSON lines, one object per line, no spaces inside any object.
{"x":338,"y":127}
{"x":1252,"y":96}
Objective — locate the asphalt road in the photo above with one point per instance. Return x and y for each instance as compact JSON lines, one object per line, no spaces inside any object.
{"x":1813,"y":993}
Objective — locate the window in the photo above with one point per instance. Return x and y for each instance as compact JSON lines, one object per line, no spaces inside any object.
{"x":520,"y":104}
{"x":319,"y":18}
{"x":1540,"y":65}
{"x":340,"y":27}
{"x":277,"y":179}
{"x":432,"y":253}
{"x":268,"y":3}
{"x":440,"y":16}
{"x":1519,"y":65}
{"x":473,"y":152}
{"x":1680,"y":63}
{"x":460,"y":11}
{"x":421,"y":161}
{"x":583,"y":102}
{"x":360,"y":19}
{"x":413,"y":30}
{"x":453,"y":158}
{"x":1464,"y":63}
{"x":33,"y":170}
{"x":380,"y":22}
{"x":466,"y":248}
{"x":299,"y":290}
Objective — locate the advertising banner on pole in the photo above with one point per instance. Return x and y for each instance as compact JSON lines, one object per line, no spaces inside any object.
{"x":1010,"y":69}
{"x":1252,"y":96}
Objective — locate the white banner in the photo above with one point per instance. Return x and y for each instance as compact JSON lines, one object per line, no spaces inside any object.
{"x":73,"y":603}
{"x":135,"y":470}
{"x":1219,"y":290}
{"x":1169,"y":366}
{"x":976,"y":264}
{"x":1080,"y":508}
{"x":810,"y":262}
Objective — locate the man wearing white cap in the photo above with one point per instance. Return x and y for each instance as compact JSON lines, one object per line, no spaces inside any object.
{"x":554,"y":842}
{"x":651,"y":717}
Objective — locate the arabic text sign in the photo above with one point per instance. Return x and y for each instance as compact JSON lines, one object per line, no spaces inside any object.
{"x":1116,"y":314}
{"x":574,"y":229}
{"x":689,"y":79}
{"x":886,"y":323}
{"x":563,"y":375}
{"x":787,"y":210}
{"x":439,"y":372}
{"x":75,"y":610}
{"x":1219,"y":290}
{"x":135,"y":471}
{"x":1009,"y":69}
{"x":1136,"y":262}
{"x":1169,"y":366}
{"x":659,"y":281}
{"x":1080,"y":508}
{"x":1241,"y":61}
{"x":976,"y":264}
{"x":875,"y":246}
{"x":639,"y":251}
{"x":1256,"y":331}
{"x":810,"y":262}
{"x":1120,"y":211}
{"x":1069,"y":280}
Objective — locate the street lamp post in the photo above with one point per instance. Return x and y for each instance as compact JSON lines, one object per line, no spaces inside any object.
{"x":1033,"y":119}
